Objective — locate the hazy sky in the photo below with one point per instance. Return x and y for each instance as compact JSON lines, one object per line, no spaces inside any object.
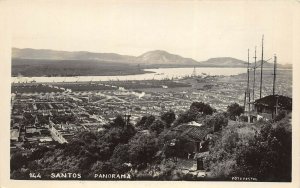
{"x":196,"y":29}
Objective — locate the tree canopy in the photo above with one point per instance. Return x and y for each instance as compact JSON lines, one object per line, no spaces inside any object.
{"x":234,"y":110}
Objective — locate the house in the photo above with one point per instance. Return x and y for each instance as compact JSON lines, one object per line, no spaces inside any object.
{"x":273,"y":103}
{"x":269,"y":106}
{"x":195,"y":149}
{"x":195,"y":134}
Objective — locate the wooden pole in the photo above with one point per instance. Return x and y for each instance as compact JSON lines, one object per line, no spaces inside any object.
{"x":254,"y":74}
{"x":274,"y":80}
{"x":261,"y":66}
{"x":248,"y":88}
{"x":274,"y":74}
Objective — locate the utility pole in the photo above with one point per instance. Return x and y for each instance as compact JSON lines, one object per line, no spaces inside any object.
{"x":261,"y":66}
{"x":276,"y":107}
{"x":248,"y":87}
{"x":245,"y":100}
{"x":254,"y":74}
{"x":274,"y":74}
{"x":247,"y":91}
{"x":274,"y":80}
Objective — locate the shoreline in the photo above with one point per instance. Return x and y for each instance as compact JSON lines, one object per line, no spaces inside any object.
{"x":143,"y":71}
{"x":69,"y":76}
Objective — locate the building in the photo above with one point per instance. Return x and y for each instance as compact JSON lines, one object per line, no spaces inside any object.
{"x":196,"y":135}
{"x":269,"y":106}
{"x":273,"y":103}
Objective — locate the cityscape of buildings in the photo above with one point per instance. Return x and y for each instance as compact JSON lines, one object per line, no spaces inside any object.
{"x":43,"y":114}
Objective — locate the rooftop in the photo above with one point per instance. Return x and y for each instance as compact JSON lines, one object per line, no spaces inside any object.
{"x":270,"y":101}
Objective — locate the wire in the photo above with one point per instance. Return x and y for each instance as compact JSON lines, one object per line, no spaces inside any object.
{"x":260,"y":64}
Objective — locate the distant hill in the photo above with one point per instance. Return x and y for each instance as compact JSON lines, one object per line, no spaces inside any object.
{"x":233,"y":62}
{"x":224,"y":62}
{"x":163,"y":57}
{"x":29,"y":53}
{"x":151,"y":59}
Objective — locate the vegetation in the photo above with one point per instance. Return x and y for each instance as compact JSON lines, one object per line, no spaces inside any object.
{"x":217,"y":121}
{"x":168,"y":117}
{"x":197,"y":111}
{"x":261,"y":151}
{"x":234,"y":110}
{"x":153,"y":149}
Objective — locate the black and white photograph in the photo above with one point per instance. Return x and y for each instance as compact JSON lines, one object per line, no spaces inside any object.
{"x":196,"y":91}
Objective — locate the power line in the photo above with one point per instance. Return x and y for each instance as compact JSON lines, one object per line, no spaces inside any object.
{"x":265,"y":61}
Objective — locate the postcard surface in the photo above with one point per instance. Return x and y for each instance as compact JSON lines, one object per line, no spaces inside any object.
{"x":194,"y":91}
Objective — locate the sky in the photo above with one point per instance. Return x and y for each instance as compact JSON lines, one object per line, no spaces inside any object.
{"x":194,"y":29}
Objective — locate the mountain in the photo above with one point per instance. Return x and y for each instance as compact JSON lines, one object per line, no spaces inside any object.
{"x":156,"y":58}
{"x":266,"y":64}
{"x":163,"y":57}
{"x":233,"y":62}
{"x":29,"y":53}
{"x":151,"y":57}
{"x":224,"y":62}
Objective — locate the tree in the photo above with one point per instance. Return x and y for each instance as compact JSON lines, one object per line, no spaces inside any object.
{"x":157,"y":126}
{"x":17,"y":160}
{"x":145,"y":122}
{"x":141,"y":122}
{"x":196,"y":109}
{"x":119,"y":157}
{"x":268,"y":157}
{"x":234,"y":110}
{"x":119,"y":121}
{"x":121,"y":154}
{"x":188,"y":116}
{"x":74,"y":147}
{"x":217,"y":121}
{"x":168,"y":117}
{"x":242,"y":151}
{"x":149,"y":121}
{"x":142,"y":148}
{"x":104,"y":150}
{"x":204,"y":108}
{"x":116,"y":134}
